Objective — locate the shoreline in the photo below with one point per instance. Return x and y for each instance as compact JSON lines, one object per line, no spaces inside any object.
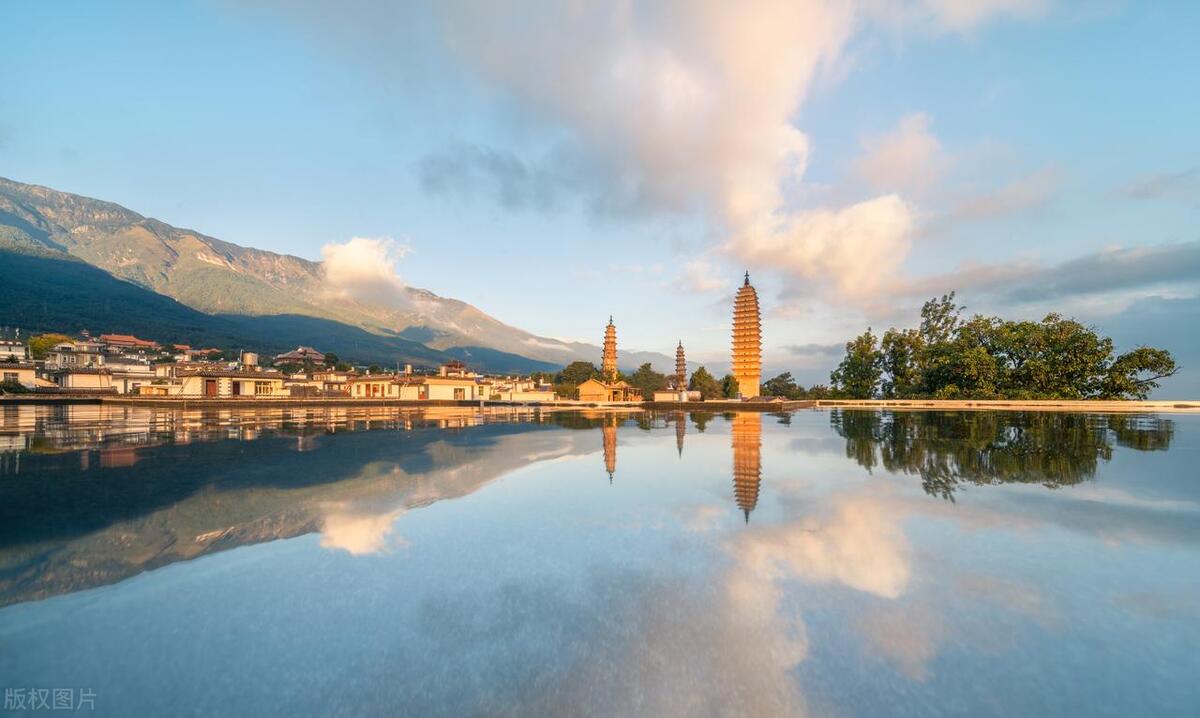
{"x":1064,"y":405}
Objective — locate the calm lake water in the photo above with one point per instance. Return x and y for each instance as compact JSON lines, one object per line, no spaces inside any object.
{"x":448,"y":562}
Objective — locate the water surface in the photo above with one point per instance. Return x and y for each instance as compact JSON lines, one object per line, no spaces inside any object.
{"x":452,"y":562}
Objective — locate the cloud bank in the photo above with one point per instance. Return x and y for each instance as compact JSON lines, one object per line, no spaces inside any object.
{"x":683,"y":106}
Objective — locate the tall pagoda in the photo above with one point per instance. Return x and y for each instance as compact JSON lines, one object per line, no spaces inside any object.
{"x":747,"y":340}
{"x":608,"y":364}
{"x":747,"y":460}
{"x":680,"y":368}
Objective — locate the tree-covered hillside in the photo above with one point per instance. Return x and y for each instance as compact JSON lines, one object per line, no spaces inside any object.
{"x":43,"y":291}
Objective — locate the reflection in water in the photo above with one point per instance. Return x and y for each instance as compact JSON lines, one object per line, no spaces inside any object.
{"x":746,"y":429}
{"x":680,"y":431}
{"x":609,"y":432}
{"x":947,"y":448}
{"x":219,"y":480}
{"x":551,"y":592}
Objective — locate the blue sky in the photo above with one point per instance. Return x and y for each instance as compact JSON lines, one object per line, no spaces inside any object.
{"x":554,"y":166}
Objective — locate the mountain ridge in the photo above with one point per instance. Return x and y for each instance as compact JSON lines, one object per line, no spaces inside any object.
{"x":217,"y":277}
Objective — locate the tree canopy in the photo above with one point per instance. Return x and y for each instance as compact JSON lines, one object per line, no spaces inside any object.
{"x":41,"y":345}
{"x":989,"y":357}
{"x":647,"y":381}
{"x":706,"y":384}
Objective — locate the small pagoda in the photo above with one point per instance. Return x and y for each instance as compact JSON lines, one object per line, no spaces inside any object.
{"x":609,"y":387}
{"x":680,"y":368}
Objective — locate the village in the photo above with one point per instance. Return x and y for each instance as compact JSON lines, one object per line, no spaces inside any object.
{"x":128,"y":366}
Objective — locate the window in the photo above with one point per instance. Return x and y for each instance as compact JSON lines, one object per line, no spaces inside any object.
{"x":262,"y":388}
{"x":460,"y":394}
{"x":10,"y":377}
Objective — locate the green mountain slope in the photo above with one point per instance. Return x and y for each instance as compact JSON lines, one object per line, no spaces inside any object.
{"x":217,"y":277}
{"x":43,"y":290}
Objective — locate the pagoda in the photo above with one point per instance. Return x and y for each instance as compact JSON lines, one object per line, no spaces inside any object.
{"x":608,"y":362}
{"x":608,"y":387}
{"x":747,"y":340}
{"x":680,"y":368}
{"x":747,"y":460}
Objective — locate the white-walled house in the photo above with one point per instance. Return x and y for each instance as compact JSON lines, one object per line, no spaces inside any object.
{"x":413,"y":388}
{"x":86,"y":378}
{"x":218,"y":383}
{"x":20,"y":372}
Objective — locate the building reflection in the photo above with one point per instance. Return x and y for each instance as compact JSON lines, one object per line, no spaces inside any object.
{"x":609,"y":431}
{"x":947,"y":449}
{"x":88,"y":434}
{"x":96,"y":496}
{"x":746,"y":430}
{"x":680,"y":431}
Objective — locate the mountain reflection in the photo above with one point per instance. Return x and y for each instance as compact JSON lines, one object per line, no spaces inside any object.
{"x":92,"y":495}
{"x":981,"y":448}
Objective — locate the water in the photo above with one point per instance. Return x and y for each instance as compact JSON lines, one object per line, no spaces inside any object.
{"x":447,"y":562}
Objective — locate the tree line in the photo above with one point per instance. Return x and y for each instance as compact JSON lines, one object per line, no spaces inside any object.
{"x":645,"y":379}
{"x":983,"y":357}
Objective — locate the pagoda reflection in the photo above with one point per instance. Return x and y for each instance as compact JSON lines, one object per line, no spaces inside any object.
{"x":609,"y":430}
{"x":680,"y":431}
{"x":747,"y":460}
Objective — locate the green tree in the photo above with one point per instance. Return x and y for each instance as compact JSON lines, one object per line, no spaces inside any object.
{"x":576,"y":373}
{"x":939,"y":319}
{"x":989,"y":357}
{"x":858,"y":374}
{"x":41,"y":345}
{"x":817,"y":391}
{"x":647,"y":381}
{"x":782,"y":385}
{"x":1136,"y":373}
{"x":902,"y":356}
{"x":706,"y":384}
{"x":332,"y":359}
{"x":729,"y":387}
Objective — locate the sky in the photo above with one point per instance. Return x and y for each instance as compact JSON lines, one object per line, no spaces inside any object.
{"x":555,"y":163}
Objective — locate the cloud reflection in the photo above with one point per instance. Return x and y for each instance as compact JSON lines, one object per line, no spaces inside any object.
{"x":359,"y":534}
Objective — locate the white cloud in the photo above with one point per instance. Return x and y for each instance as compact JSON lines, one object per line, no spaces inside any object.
{"x":957,"y":16}
{"x":364,"y":269}
{"x":857,"y":250}
{"x":1030,"y":193}
{"x":700,"y":277}
{"x":909,"y":158}
{"x":684,"y":106}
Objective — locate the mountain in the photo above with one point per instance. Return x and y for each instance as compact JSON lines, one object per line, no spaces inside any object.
{"x":225,"y":279}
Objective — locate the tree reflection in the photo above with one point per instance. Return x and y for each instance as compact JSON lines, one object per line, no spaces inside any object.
{"x":980,"y":447}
